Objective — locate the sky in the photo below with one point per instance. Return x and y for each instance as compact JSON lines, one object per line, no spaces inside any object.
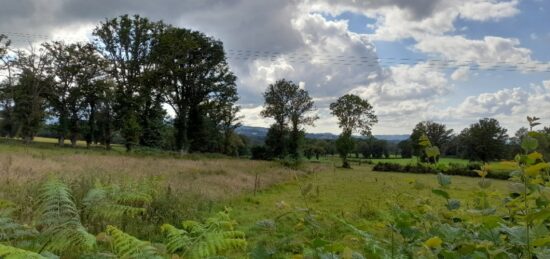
{"x":450,"y":61}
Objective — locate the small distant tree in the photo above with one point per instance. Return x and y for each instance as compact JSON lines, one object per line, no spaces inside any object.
{"x":484,"y":140}
{"x":354,"y":115}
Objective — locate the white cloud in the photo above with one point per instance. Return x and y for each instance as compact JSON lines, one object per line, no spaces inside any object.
{"x":399,"y":19}
{"x":480,"y":10}
{"x":461,"y":73}
{"x":509,"y":105}
{"x":488,"y":52}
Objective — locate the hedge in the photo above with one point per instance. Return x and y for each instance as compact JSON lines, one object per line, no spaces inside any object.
{"x":450,"y":169}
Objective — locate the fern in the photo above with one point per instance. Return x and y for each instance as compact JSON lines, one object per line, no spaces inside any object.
{"x":9,"y":252}
{"x":127,"y":246}
{"x":62,"y":230}
{"x":112,"y":203}
{"x":204,"y":240}
{"x":12,"y":231}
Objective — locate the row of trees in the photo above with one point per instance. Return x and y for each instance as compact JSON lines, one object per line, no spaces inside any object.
{"x":485,"y":140}
{"x":120,"y":84}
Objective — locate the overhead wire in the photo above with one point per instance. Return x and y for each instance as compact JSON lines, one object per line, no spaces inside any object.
{"x":352,"y":60}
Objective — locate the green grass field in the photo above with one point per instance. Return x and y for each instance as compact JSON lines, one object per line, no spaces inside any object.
{"x":359,"y":196}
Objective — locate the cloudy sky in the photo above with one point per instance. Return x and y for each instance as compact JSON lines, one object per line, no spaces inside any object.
{"x":452,"y":61}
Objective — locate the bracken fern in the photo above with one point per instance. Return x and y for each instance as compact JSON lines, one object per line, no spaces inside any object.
{"x":59,"y":220}
{"x":111,"y":203}
{"x":9,"y":252}
{"x":198,"y":240}
{"x":127,"y":246}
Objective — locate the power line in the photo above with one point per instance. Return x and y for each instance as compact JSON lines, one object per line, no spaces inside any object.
{"x":358,"y":60}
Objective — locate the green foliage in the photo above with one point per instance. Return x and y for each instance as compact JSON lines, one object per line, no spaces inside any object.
{"x":9,"y":252}
{"x":345,"y":145}
{"x":59,"y":220}
{"x":354,"y":114}
{"x":289,"y":106}
{"x":429,"y":133}
{"x":127,"y":246}
{"x":484,"y":140}
{"x":203,"y":240}
{"x":12,"y":231}
{"x":115,"y":203}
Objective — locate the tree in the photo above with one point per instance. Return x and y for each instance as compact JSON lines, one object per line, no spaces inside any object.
{"x":354,"y":115}
{"x":198,"y":85}
{"x":406,"y":148}
{"x":34,"y":80}
{"x":374,"y":148}
{"x":484,"y":140}
{"x":8,"y":124}
{"x":93,"y":85}
{"x":437,"y":133}
{"x":300,"y":105}
{"x":126,"y":43}
{"x":64,"y":96}
{"x":287,"y":104}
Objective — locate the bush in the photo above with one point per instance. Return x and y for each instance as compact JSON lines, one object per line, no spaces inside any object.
{"x":448,"y":169}
{"x":260,"y":153}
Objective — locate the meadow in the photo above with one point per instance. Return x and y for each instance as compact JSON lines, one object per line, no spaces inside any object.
{"x":313,"y":210}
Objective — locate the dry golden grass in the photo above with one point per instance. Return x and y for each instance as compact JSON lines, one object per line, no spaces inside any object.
{"x":213,"y":178}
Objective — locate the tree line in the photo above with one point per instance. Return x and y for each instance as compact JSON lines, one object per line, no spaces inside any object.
{"x":116,"y":89}
{"x":117,"y":86}
{"x":485,"y":140}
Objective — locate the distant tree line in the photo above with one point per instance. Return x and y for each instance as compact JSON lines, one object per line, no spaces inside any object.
{"x":116,"y":88}
{"x":485,"y":140}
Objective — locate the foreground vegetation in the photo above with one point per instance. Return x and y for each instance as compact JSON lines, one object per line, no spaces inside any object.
{"x":104,"y":206}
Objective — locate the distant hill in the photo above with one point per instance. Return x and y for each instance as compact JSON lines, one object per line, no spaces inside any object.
{"x":261,"y":132}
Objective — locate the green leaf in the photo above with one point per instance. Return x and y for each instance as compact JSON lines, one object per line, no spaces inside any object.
{"x":539,"y":216}
{"x":441,"y":193}
{"x":534,"y":170}
{"x":453,"y":204}
{"x":443,"y":180}
{"x":432,"y":151}
{"x":529,"y":143}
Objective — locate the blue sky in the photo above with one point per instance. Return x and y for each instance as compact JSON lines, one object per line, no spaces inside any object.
{"x":320,"y":32}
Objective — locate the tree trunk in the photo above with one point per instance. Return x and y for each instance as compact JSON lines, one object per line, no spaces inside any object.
{"x":61,"y":141}
{"x":91,"y":126}
{"x":73,"y":140}
{"x":181,"y":133}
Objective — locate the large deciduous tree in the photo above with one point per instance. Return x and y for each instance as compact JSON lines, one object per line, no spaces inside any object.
{"x":484,"y":140}
{"x":63,"y":95}
{"x":34,"y":80}
{"x":198,"y":85}
{"x":126,"y":42}
{"x":8,"y":123}
{"x":354,"y":115}
{"x":287,"y":103}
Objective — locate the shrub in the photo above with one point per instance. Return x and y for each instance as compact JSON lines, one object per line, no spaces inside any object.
{"x":260,"y":153}
{"x":449,"y":169}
